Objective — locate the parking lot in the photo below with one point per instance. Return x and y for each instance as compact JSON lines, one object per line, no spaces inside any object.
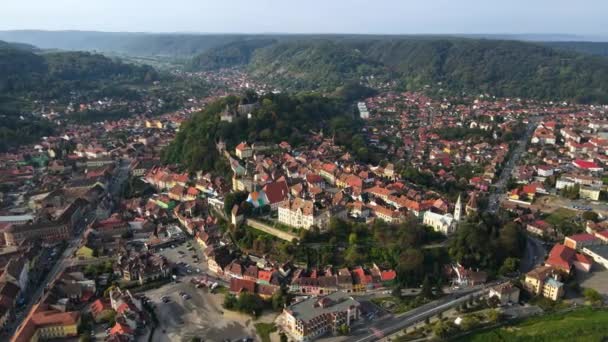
{"x":190,"y":312}
{"x":188,"y":256}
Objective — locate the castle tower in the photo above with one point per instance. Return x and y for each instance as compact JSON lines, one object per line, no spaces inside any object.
{"x":458,"y":210}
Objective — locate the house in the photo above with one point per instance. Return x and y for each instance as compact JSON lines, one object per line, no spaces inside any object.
{"x":315,"y":317}
{"x":100,"y":309}
{"x":587,"y":165}
{"x":544,"y":281}
{"x":243,"y":150}
{"x":563,"y":258}
{"x":506,"y":293}
{"x":540,"y":228}
{"x":579,"y":241}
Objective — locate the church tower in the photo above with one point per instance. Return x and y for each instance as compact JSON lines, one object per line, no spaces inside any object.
{"x":458,"y":210}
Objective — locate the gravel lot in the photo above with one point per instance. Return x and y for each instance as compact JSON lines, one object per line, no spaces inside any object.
{"x":200,"y":316}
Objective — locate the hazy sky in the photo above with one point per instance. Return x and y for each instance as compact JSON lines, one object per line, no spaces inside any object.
{"x":310,"y":16}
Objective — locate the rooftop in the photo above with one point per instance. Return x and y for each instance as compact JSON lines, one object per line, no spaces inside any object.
{"x":314,"y":307}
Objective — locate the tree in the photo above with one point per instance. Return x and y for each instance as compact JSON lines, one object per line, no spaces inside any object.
{"x":427,"y":290}
{"x":230,"y":302}
{"x":592,"y":296}
{"x":343,"y":329}
{"x":509,"y":266}
{"x":444,"y":329}
{"x":493,"y":316}
{"x":493,"y":302}
{"x":590,"y":216}
{"x":233,"y":198}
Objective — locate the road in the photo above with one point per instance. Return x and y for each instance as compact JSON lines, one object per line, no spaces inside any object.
{"x":396,"y":323}
{"x":66,"y":259}
{"x":499,"y":187}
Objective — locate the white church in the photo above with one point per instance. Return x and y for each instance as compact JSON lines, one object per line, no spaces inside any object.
{"x":445,"y":224}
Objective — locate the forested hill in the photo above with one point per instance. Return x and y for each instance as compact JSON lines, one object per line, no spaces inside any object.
{"x":499,"y":67}
{"x":26,"y":76}
{"x":279,"y":117}
{"x":24,"y":72}
{"x":228,"y":55}
{"x":592,"y":48}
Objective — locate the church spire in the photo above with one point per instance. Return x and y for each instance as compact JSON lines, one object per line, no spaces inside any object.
{"x":458,"y":210}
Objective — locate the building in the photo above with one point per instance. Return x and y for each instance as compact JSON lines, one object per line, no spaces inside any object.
{"x":599,"y":254}
{"x":315,"y":317}
{"x":580,"y":241}
{"x":445,"y":224}
{"x":506,"y":293}
{"x":243,"y":150}
{"x":544,"y":281}
{"x":47,"y":231}
{"x":540,"y":228}
{"x":589,"y":192}
{"x":302,"y":213}
{"x":363,"y":112}
{"x":44,"y":323}
{"x":441,"y":223}
{"x":563,"y":258}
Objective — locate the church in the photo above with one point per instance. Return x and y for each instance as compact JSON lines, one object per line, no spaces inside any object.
{"x":445,"y":224}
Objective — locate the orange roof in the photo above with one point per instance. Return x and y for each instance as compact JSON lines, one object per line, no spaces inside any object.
{"x":52,"y":317}
{"x":121,"y":329}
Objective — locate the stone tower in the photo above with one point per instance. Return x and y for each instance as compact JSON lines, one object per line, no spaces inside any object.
{"x":458,"y":210}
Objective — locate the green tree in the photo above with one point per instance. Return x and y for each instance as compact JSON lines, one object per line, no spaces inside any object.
{"x":590,"y":216}
{"x":509,"y":266}
{"x":592,"y":296}
{"x":427,"y":290}
{"x":233,"y":198}
{"x":230,"y":302}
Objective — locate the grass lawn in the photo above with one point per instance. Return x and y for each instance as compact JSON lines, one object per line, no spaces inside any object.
{"x":580,"y":325}
{"x":264,"y":330}
{"x":560,"y":215}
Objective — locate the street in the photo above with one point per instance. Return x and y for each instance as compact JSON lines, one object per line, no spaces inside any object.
{"x":392,"y":324}
{"x":498,"y":189}
{"x":66,"y":259}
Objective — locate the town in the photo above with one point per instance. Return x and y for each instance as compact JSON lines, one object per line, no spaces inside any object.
{"x":104,"y":240}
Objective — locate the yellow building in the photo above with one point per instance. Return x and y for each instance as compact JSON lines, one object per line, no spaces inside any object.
{"x":543,"y":281}
{"x":47,"y":325}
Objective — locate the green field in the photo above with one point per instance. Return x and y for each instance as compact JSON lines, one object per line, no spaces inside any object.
{"x":581,"y":325}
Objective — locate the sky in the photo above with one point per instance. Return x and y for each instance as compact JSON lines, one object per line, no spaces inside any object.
{"x":580,"y":17}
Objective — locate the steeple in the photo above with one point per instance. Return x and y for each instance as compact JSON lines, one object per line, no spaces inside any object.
{"x":458,"y":210}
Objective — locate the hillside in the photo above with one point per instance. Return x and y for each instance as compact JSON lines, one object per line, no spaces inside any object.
{"x":592,"y":48}
{"x":502,"y":68}
{"x":228,"y":55}
{"x":279,"y":118}
{"x":26,"y":76}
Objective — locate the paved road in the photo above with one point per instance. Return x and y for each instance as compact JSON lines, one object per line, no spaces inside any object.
{"x":499,"y":187}
{"x":386,"y":327}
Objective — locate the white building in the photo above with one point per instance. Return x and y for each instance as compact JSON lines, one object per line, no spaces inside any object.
{"x":445,"y":224}
{"x":301,"y":213}
{"x":363,"y":112}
